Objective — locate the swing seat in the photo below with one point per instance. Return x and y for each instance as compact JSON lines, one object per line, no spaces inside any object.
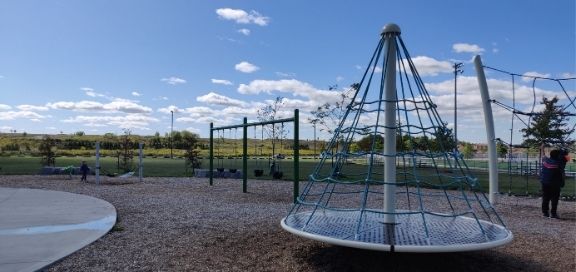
{"x":258,"y":172}
{"x":232,"y":170}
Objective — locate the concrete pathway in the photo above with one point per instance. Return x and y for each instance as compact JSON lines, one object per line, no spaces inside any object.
{"x":39,"y":227}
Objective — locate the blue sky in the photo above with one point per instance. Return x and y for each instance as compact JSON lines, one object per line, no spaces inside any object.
{"x":101,"y":66}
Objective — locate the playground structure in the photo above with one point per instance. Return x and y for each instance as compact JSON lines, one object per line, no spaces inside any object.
{"x":519,"y":162}
{"x":140,"y":167}
{"x":401,"y":206}
{"x":244,"y":172}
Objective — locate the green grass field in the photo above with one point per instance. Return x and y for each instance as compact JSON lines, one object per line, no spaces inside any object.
{"x":165,"y":167}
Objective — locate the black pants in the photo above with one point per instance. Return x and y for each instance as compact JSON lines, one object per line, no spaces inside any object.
{"x":83,"y":176}
{"x":550,"y":194}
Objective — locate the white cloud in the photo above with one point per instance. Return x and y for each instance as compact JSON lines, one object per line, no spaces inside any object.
{"x":32,"y":108}
{"x":529,"y":76}
{"x":199,"y":110}
{"x":121,"y":105}
{"x":130,"y":121}
{"x":467,"y":48}
{"x":240,"y":111}
{"x":174,"y":80}
{"x":246,"y":67}
{"x":292,"y":86}
{"x":136,"y":94}
{"x":126,"y":106}
{"x":568,"y":75}
{"x":242,"y":17}
{"x":11,"y":115}
{"x":218,"y":99}
{"x":221,"y":81}
{"x":244,"y":31}
{"x":92,"y":93}
{"x":427,"y":66}
{"x":4,"y":107}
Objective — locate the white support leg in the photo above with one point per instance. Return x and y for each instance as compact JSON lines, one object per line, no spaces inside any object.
{"x":490,"y":135}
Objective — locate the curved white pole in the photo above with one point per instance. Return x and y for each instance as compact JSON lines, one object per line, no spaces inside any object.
{"x":490,"y":135}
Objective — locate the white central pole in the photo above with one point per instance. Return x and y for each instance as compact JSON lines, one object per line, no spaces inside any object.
{"x":389,"y":33}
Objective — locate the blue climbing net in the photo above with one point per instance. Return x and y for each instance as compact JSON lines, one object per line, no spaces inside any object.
{"x":439,"y":205}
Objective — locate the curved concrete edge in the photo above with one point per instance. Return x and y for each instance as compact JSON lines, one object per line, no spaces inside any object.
{"x":40,"y":227}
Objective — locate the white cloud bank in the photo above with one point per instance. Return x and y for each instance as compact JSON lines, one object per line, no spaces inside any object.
{"x":129,"y":121}
{"x":242,"y":17}
{"x":119,"y":105}
{"x":213,"y":98}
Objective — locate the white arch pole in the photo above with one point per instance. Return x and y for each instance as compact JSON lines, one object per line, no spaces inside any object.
{"x":490,"y":135}
{"x":97,"y":167}
{"x":389,"y":33}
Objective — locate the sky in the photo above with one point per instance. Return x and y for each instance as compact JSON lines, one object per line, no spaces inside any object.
{"x":105,"y":66}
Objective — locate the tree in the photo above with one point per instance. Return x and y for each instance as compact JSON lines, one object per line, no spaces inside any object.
{"x":45,"y":148}
{"x":269,"y":113}
{"x":501,"y":149}
{"x":156,"y":142}
{"x":126,"y":154}
{"x":443,"y":140}
{"x":365,"y":143}
{"x":468,"y":151}
{"x":328,"y":116}
{"x":549,"y":127}
{"x":191,"y":143}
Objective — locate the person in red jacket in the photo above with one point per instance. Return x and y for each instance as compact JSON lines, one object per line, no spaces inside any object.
{"x":552,"y":180}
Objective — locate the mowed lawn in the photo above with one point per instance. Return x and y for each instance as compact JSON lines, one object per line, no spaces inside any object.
{"x":166,"y":167}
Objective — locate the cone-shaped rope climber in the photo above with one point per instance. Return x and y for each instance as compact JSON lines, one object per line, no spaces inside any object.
{"x":407,"y":189}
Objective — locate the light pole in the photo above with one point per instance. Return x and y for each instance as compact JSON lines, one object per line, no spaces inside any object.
{"x":457,"y":70}
{"x":171,"y":132}
{"x":314,"y":124}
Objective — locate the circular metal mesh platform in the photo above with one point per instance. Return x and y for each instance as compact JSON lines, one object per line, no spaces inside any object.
{"x":411,"y":232}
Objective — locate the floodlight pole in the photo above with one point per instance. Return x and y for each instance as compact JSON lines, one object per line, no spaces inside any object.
{"x":457,"y":70}
{"x":171,"y":132}
{"x":389,"y":33}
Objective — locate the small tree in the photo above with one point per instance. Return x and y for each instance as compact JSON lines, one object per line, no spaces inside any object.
{"x":191,"y":143}
{"x":126,"y":153}
{"x":48,"y":155}
{"x":269,"y":113}
{"x":549,"y":127}
{"x":328,"y":116}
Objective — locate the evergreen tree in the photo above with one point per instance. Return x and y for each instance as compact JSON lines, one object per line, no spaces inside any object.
{"x":549,"y":127}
